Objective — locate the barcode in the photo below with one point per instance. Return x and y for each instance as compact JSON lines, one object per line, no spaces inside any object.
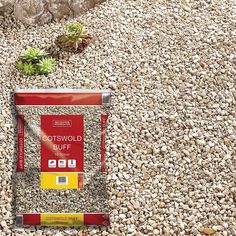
{"x":61,"y":180}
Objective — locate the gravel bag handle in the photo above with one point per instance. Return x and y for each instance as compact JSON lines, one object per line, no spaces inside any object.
{"x":61,"y":151}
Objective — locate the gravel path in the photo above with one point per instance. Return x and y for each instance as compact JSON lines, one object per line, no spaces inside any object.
{"x":172,"y":139}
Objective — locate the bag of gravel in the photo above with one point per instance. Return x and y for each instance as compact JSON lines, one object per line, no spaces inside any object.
{"x":60,"y":172}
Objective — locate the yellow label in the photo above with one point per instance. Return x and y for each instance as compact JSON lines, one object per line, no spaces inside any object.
{"x":58,"y":180}
{"x":61,"y":219}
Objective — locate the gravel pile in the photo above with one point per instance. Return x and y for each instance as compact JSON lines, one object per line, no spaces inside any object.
{"x":171,"y":136}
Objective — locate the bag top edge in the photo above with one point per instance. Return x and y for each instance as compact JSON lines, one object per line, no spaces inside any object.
{"x":61,"y":90}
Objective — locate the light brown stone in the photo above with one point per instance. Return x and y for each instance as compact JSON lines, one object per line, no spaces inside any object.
{"x":59,"y":8}
{"x":32,"y":12}
{"x":79,"y":6}
{"x":44,"y":11}
{"x":6,"y":6}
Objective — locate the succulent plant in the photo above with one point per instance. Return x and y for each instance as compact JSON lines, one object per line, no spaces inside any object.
{"x":35,"y":61}
{"x":33,"y":54}
{"x":27,"y":69}
{"x":46,"y":65}
{"x":75,"y":29}
{"x":20,"y":65}
{"x":74,"y":38}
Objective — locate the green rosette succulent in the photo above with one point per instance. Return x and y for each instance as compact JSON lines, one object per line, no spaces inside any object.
{"x":75,"y":37}
{"x":26,"y":68}
{"x":46,"y":65}
{"x":35,"y":61}
{"x":33,"y":55}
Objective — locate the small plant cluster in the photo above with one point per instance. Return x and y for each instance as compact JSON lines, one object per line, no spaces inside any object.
{"x":35,"y":61}
{"x":74,"y":38}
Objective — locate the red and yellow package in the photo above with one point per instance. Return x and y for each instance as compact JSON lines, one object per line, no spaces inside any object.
{"x":61,"y":174}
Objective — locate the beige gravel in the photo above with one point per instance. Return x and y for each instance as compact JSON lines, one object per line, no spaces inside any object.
{"x":172,"y":139}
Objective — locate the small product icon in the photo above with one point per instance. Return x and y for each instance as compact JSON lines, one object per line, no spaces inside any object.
{"x":62,"y":163}
{"x":52,"y":163}
{"x":71,"y":163}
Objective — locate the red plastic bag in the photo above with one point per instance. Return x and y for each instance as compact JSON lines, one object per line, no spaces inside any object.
{"x":60,"y":174}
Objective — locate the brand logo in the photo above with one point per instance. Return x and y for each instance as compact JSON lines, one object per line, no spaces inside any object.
{"x":62,"y":123}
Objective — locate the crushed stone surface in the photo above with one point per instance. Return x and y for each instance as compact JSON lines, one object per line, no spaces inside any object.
{"x":171,"y":137}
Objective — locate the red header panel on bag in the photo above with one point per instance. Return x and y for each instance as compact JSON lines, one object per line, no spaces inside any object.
{"x":62,"y":143}
{"x":58,"y":98}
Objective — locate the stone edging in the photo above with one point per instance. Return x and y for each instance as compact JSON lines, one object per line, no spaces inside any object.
{"x":44,"y":11}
